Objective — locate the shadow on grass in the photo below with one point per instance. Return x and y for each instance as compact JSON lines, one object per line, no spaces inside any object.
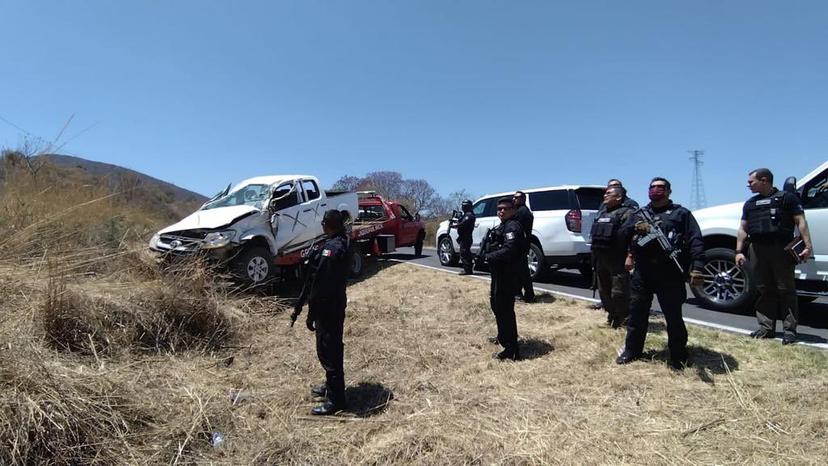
{"x":367,"y":399}
{"x":701,"y":360}
{"x":545,"y":298}
{"x":532,"y":348}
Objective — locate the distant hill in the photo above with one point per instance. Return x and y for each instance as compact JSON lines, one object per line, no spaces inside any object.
{"x":101,"y":170}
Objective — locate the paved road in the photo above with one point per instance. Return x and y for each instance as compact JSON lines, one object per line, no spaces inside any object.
{"x":813,"y":326}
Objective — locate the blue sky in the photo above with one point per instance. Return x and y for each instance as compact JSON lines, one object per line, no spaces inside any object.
{"x":483,"y":95}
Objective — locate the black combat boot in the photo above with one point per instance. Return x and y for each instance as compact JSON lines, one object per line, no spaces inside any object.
{"x":327,"y":408}
{"x":626,"y":358}
{"x":508,"y":353}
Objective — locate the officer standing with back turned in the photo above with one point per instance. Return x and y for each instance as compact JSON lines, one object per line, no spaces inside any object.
{"x":325,"y":293}
{"x":526,"y":219}
{"x":659,"y":273}
{"x":504,"y":249}
{"x":768,"y":221}
{"x":465,"y":227}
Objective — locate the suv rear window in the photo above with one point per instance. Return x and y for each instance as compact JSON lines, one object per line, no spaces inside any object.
{"x":589,"y":198}
{"x":549,"y":200}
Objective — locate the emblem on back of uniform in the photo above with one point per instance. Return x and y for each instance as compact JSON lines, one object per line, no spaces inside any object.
{"x":326,"y":253}
{"x":510,"y":235}
{"x":604,"y":220}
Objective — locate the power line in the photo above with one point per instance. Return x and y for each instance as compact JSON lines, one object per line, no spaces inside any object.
{"x":697,"y":197}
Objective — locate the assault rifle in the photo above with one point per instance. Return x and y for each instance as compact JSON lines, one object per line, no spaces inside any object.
{"x":656,"y":234}
{"x":480,"y":257}
{"x":309,"y":276}
{"x":456,"y":215}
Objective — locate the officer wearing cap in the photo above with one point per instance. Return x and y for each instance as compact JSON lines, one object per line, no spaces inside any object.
{"x":504,"y":250}
{"x":526,"y":219}
{"x":326,"y":298}
{"x":768,"y":221}
{"x":609,"y":251}
{"x":657,"y":273}
{"x":627,"y":202}
{"x":465,"y":228}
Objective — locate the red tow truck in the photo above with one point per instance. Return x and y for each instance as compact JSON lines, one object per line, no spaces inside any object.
{"x":391,"y":219}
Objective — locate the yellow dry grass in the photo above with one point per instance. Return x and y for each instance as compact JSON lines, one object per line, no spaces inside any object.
{"x":424,"y":389}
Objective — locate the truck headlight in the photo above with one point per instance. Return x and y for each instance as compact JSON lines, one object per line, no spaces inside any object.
{"x":217,"y":239}
{"x":153,"y":243}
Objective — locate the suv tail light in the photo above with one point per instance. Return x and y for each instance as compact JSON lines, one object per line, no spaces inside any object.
{"x":573,"y":221}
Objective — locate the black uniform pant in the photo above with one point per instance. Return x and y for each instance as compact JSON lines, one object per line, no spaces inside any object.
{"x":613,"y":284}
{"x":465,"y":254}
{"x":526,"y":286}
{"x":774,"y":272}
{"x":502,"y":300}
{"x":329,"y":322}
{"x":669,"y":286}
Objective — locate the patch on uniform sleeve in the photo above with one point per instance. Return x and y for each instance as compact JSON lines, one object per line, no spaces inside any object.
{"x":326,"y":253}
{"x":510,"y":235}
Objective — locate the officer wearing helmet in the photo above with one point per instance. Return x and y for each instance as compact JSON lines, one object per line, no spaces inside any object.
{"x":465,"y":227}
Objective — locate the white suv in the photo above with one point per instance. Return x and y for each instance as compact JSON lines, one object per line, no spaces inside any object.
{"x":560,"y":233}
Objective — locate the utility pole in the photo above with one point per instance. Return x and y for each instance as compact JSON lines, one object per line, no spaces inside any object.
{"x":697,"y":197}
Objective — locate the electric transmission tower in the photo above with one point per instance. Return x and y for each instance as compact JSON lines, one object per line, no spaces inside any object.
{"x":697,"y":198}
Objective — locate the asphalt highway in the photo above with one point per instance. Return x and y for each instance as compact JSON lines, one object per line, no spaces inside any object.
{"x":813,"y":323}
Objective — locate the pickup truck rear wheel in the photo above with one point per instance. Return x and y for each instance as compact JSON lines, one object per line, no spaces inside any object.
{"x":727,"y":286}
{"x":356,"y":264}
{"x":254,"y":266}
{"x":446,"y":252}
{"x":418,"y":245}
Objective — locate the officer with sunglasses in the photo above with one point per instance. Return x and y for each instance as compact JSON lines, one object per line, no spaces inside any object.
{"x":657,"y":273}
{"x":505,"y":246}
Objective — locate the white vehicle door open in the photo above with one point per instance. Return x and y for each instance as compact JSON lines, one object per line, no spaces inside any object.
{"x":485,"y":212}
{"x":312,"y":210}
{"x":815,"y":201}
{"x":286,"y":219}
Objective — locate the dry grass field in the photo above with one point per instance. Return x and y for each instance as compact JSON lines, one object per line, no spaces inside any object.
{"x":104,"y":359}
{"x":102,"y":370}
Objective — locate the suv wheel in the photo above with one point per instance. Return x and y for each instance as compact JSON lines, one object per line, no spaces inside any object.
{"x":537,"y":263}
{"x":446,"y":252}
{"x":727,"y":286}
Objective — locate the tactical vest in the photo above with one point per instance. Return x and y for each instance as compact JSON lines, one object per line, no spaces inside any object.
{"x":769,"y":217}
{"x":605,"y":227}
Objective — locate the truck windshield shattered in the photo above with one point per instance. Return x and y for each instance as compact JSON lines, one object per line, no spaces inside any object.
{"x":251,"y":195}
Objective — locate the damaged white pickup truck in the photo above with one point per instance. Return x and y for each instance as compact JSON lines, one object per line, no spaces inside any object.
{"x":259,"y":228}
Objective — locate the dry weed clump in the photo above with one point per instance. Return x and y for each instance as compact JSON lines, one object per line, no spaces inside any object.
{"x":49,"y":415}
{"x":169,"y":321}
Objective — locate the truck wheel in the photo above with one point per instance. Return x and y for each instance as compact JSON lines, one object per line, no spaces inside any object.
{"x":727,"y":286}
{"x":254,"y":266}
{"x":356,"y":264}
{"x":418,"y":245}
{"x":446,"y":253}
{"x":537,"y":262}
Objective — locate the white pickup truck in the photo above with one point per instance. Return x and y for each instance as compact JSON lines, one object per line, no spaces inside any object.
{"x":258,"y":228}
{"x":730,"y":287}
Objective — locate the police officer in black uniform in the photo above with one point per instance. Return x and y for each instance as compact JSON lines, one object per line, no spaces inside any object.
{"x":465,"y":228}
{"x":657,"y":274}
{"x":504,"y":250}
{"x":325,"y":293}
{"x":625,"y":202}
{"x":768,"y":221}
{"x":609,"y":251}
{"x":525,"y":217}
